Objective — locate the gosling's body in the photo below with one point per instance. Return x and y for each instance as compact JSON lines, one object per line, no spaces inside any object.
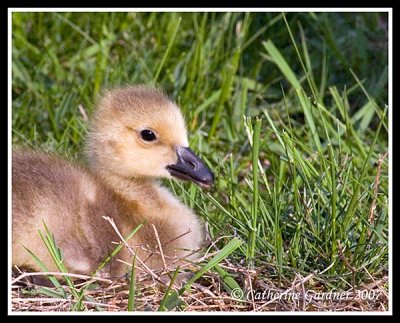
{"x":120,"y":182}
{"x":70,"y":201}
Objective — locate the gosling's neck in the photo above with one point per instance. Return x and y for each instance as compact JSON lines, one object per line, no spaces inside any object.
{"x":142,"y":190}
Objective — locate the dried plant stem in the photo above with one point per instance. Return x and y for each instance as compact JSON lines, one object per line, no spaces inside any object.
{"x":141,"y":263}
{"x":50,"y":273}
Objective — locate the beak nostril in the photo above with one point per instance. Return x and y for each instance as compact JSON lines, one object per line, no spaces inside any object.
{"x":190,"y":167}
{"x":190,"y":164}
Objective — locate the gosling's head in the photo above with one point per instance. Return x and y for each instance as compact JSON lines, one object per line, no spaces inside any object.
{"x":137,"y":132}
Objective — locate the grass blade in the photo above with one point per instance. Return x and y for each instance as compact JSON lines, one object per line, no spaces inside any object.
{"x":282,"y":64}
{"x":173,"y":299}
{"x":53,"y":280}
{"x":171,"y":42}
{"x":132,"y":287}
{"x":117,"y":249}
{"x":254,"y":206}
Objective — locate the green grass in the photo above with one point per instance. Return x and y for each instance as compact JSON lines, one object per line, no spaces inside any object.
{"x":289,"y":111}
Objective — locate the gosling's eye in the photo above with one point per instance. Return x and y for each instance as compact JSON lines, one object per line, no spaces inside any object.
{"x":148,"y":135}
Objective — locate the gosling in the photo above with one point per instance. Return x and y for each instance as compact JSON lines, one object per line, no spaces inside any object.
{"x":136,"y":137}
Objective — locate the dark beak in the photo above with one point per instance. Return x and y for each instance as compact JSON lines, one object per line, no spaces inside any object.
{"x":190,"y":167}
